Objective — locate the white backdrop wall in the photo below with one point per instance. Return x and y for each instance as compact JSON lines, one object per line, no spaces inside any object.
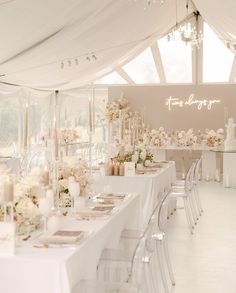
{"x":150,"y":101}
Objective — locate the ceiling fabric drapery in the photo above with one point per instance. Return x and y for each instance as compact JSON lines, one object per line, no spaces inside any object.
{"x":220,"y":15}
{"x":37,"y":36}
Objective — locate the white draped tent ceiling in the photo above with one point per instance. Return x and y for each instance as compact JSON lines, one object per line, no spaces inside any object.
{"x":38,"y":38}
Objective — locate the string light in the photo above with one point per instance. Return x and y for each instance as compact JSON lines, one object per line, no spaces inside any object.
{"x":75,"y":61}
{"x":148,"y":3}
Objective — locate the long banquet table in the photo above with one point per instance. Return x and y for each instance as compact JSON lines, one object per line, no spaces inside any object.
{"x":149,"y":186}
{"x":57,"y":270}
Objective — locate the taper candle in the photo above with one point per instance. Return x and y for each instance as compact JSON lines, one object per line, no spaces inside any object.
{"x":26,"y":125}
{"x":90,"y":115}
{"x":45,"y":176}
{"x":8,"y":191}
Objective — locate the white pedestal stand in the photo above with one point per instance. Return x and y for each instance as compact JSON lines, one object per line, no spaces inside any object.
{"x":229,"y":170}
{"x":208,"y":165}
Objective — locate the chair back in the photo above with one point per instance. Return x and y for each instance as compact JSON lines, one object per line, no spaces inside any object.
{"x":196,"y":171}
{"x":190,"y":177}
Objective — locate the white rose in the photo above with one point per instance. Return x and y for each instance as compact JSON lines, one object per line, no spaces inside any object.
{"x":143,"y":155}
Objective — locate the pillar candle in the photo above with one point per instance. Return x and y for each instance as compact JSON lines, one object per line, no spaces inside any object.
{"x":45,"y":177}
{"x":110,"y":168}
{"x":122,"y":169}
{"x":116,"y":169}
{"x":8,"y":191}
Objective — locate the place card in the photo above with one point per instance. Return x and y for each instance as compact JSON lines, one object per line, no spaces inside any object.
{"x":7,"y":238}
{"x":129,"y":169}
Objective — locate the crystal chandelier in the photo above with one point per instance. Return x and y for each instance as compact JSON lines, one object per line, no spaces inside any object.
{"x":188,"y":32}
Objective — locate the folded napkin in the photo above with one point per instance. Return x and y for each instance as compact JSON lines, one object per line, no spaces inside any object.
{"x":62,"y":237}
{"x":96,"y":211}
{"x":111,"y":196}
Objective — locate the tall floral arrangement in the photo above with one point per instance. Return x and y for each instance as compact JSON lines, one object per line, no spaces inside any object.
{"x":27,"y":193}
{"x":115,"y":108}
{"x":68,"y":135}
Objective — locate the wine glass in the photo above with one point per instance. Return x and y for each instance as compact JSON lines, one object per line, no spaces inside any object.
{"x":45,"y":209}
{"x":74,"y":190}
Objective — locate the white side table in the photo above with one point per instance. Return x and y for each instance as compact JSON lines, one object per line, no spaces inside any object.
{"x":229,"y":169}
{"x":208,"y":165}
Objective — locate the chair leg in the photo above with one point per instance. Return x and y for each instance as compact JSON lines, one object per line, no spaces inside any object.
{"x":154,"y":280}
{"x":168,"y":262}
{"x":196,"y":202}
{"x":192,"y":209}
{"x":148,"y":285}
{"x":199,"y":200}
{"x":188,"y":215}
{"x":161,"y":265}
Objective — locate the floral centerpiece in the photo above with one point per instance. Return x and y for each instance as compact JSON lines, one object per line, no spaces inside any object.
{"x":139,"y":154}
{"x":142,"y":155}
{"x":76,"y":167}
{"x":214,"y":138}
{"x":158,"y":137}
{"x":185,"y":138}
{"x":27,"y":193}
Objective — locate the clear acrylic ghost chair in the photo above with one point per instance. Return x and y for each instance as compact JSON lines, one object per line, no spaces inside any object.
{"x":193,"y":178}
{"x":190,"y":180}
{"x":193,"y":187}
{"x":196,"y":185}
{"x":156,"y":246}
{"x":161,"y":237}
{"x":138,"y":279}
{"x":185,"y":192}
{"x":116,"y":264}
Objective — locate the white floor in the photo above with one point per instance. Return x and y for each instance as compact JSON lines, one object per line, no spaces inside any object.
{"x":206,"y":261}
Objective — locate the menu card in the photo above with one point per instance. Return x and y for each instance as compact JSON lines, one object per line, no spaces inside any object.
{"x":129,"y":169}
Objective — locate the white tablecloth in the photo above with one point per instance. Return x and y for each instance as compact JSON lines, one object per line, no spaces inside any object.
{"x":57,"y":270}
{"x":209,"y":165}
{"x":149,"y":186}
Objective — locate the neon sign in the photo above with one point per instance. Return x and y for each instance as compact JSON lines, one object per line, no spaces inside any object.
{"x":200,"y":103}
